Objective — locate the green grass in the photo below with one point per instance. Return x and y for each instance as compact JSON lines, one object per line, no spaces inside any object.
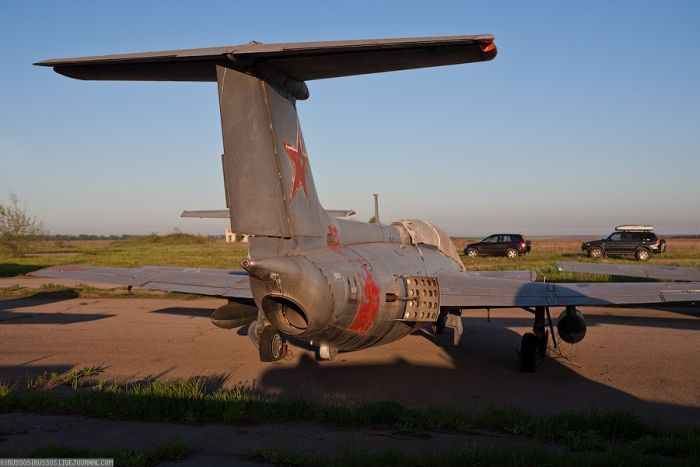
{"x":135,"y":252}
{"x":487,"y":456}
{"x":172,"y":450}
{"x":194,"y":251}
{"x":193,"y":401}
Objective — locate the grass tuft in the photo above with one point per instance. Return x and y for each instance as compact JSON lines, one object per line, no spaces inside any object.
{"x":192,"y":401}
{"x":488,"y":456}
{"x":172,"y":450}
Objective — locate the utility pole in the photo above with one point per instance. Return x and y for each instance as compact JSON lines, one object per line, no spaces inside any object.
{"x":376,"y":208}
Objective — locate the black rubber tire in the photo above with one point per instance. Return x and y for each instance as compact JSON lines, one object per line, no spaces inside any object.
{"x":472,"y":253}
{"x":592,"y":252}
{"x":528,"y":353}
{"x":512,"y":253}
{"x":271,"y":344}
{"x":642,"y":254}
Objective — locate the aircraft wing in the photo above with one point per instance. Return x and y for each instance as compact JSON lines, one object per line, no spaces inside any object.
{"x":515,"y":274}
{"x":465,"y":290}
{"x":671,"y":273}
{"x":299,"y":61}
{"x":201,"y":281}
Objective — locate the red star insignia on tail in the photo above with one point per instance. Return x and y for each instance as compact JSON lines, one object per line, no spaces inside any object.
{"x":299,"y":164}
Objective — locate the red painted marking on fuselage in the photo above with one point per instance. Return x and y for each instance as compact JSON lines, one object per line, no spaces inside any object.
{"x":333,"y":240}
{"x":368,"y":309}
{"x":300,"y":162}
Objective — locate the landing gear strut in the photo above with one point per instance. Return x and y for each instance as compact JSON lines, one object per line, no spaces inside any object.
{"x":441,"y":322}
{"x":533,"y":347}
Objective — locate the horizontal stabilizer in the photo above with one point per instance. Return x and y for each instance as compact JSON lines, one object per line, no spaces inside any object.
{"x":200,"y":281}
{"x":208,"y":214}
{"x":341,"y":212}
{"x":298,"y":61}
{"x":670,"y":273}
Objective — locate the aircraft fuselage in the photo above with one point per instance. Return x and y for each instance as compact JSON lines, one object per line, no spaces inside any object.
{"x":353,"y":295}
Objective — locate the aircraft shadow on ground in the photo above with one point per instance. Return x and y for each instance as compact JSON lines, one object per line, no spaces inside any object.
{"x":186,"y":311}
{"x":476,"y":374}
{"x":39,"y":298}
{"x":8,"y":315}
{"x":21,"y":374}
{"x":14,"y":269}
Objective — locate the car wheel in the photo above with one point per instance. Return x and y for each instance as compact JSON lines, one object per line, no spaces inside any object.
{"x":595,"y":252}
{"x":642,"y":254}
{"x":512,"y":253}
{"x":472,"y":252}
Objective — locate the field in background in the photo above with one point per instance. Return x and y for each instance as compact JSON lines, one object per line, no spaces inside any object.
{"x":167,"y":250}
{"x":546,"y":252}
{"x":194,"y":251}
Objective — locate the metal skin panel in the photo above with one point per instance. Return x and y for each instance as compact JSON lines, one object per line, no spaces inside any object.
{"x":422,"y":232}
{"x":650,"y":272}
{"x":342,"y":292}
{"x":256,"y":207}
{"x":203,"y":281}
{"x":306,"y":215}
{"x":467,"y":291}
{"x":297,"y":61}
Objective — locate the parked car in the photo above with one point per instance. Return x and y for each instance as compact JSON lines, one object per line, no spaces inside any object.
{"x":510,"y":245}
{"x":637,"y":240}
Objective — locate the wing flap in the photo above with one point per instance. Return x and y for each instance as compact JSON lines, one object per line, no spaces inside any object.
{"x":200,"y":281}
{"x":469,"y":291}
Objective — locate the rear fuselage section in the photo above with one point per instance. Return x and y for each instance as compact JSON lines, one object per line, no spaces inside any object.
{"x":353,"y":293}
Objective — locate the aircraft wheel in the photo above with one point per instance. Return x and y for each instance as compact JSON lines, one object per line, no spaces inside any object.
{"x":271,"y":345}
{"x":642,"y":254}
{"x":472,"y":253}
{"x":511,"y":253}
{"x":595,"y":253}
{"x":528,"y":353}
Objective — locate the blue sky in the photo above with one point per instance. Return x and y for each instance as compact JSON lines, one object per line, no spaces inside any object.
{"x":588,"y":117}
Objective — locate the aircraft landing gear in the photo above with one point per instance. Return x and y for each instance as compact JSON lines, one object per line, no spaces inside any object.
{"x":272,"y":345}
{"x":533,"y":347}
{"x":441,"y":322}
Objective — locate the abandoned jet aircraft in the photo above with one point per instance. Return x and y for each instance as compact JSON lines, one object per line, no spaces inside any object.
{"x":337,"y":283}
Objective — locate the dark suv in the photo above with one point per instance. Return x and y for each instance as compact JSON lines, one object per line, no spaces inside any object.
{"x":640,"y":243}
{"x":510,"y":245}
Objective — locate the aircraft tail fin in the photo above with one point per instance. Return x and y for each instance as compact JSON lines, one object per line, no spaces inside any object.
{"x":269,"y":187}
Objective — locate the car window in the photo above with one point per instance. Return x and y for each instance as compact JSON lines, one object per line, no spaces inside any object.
{"x":508,"y":239}
{"x":629,"y":237}
{"x":615,"y":237}
{"x":491,"y":239}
